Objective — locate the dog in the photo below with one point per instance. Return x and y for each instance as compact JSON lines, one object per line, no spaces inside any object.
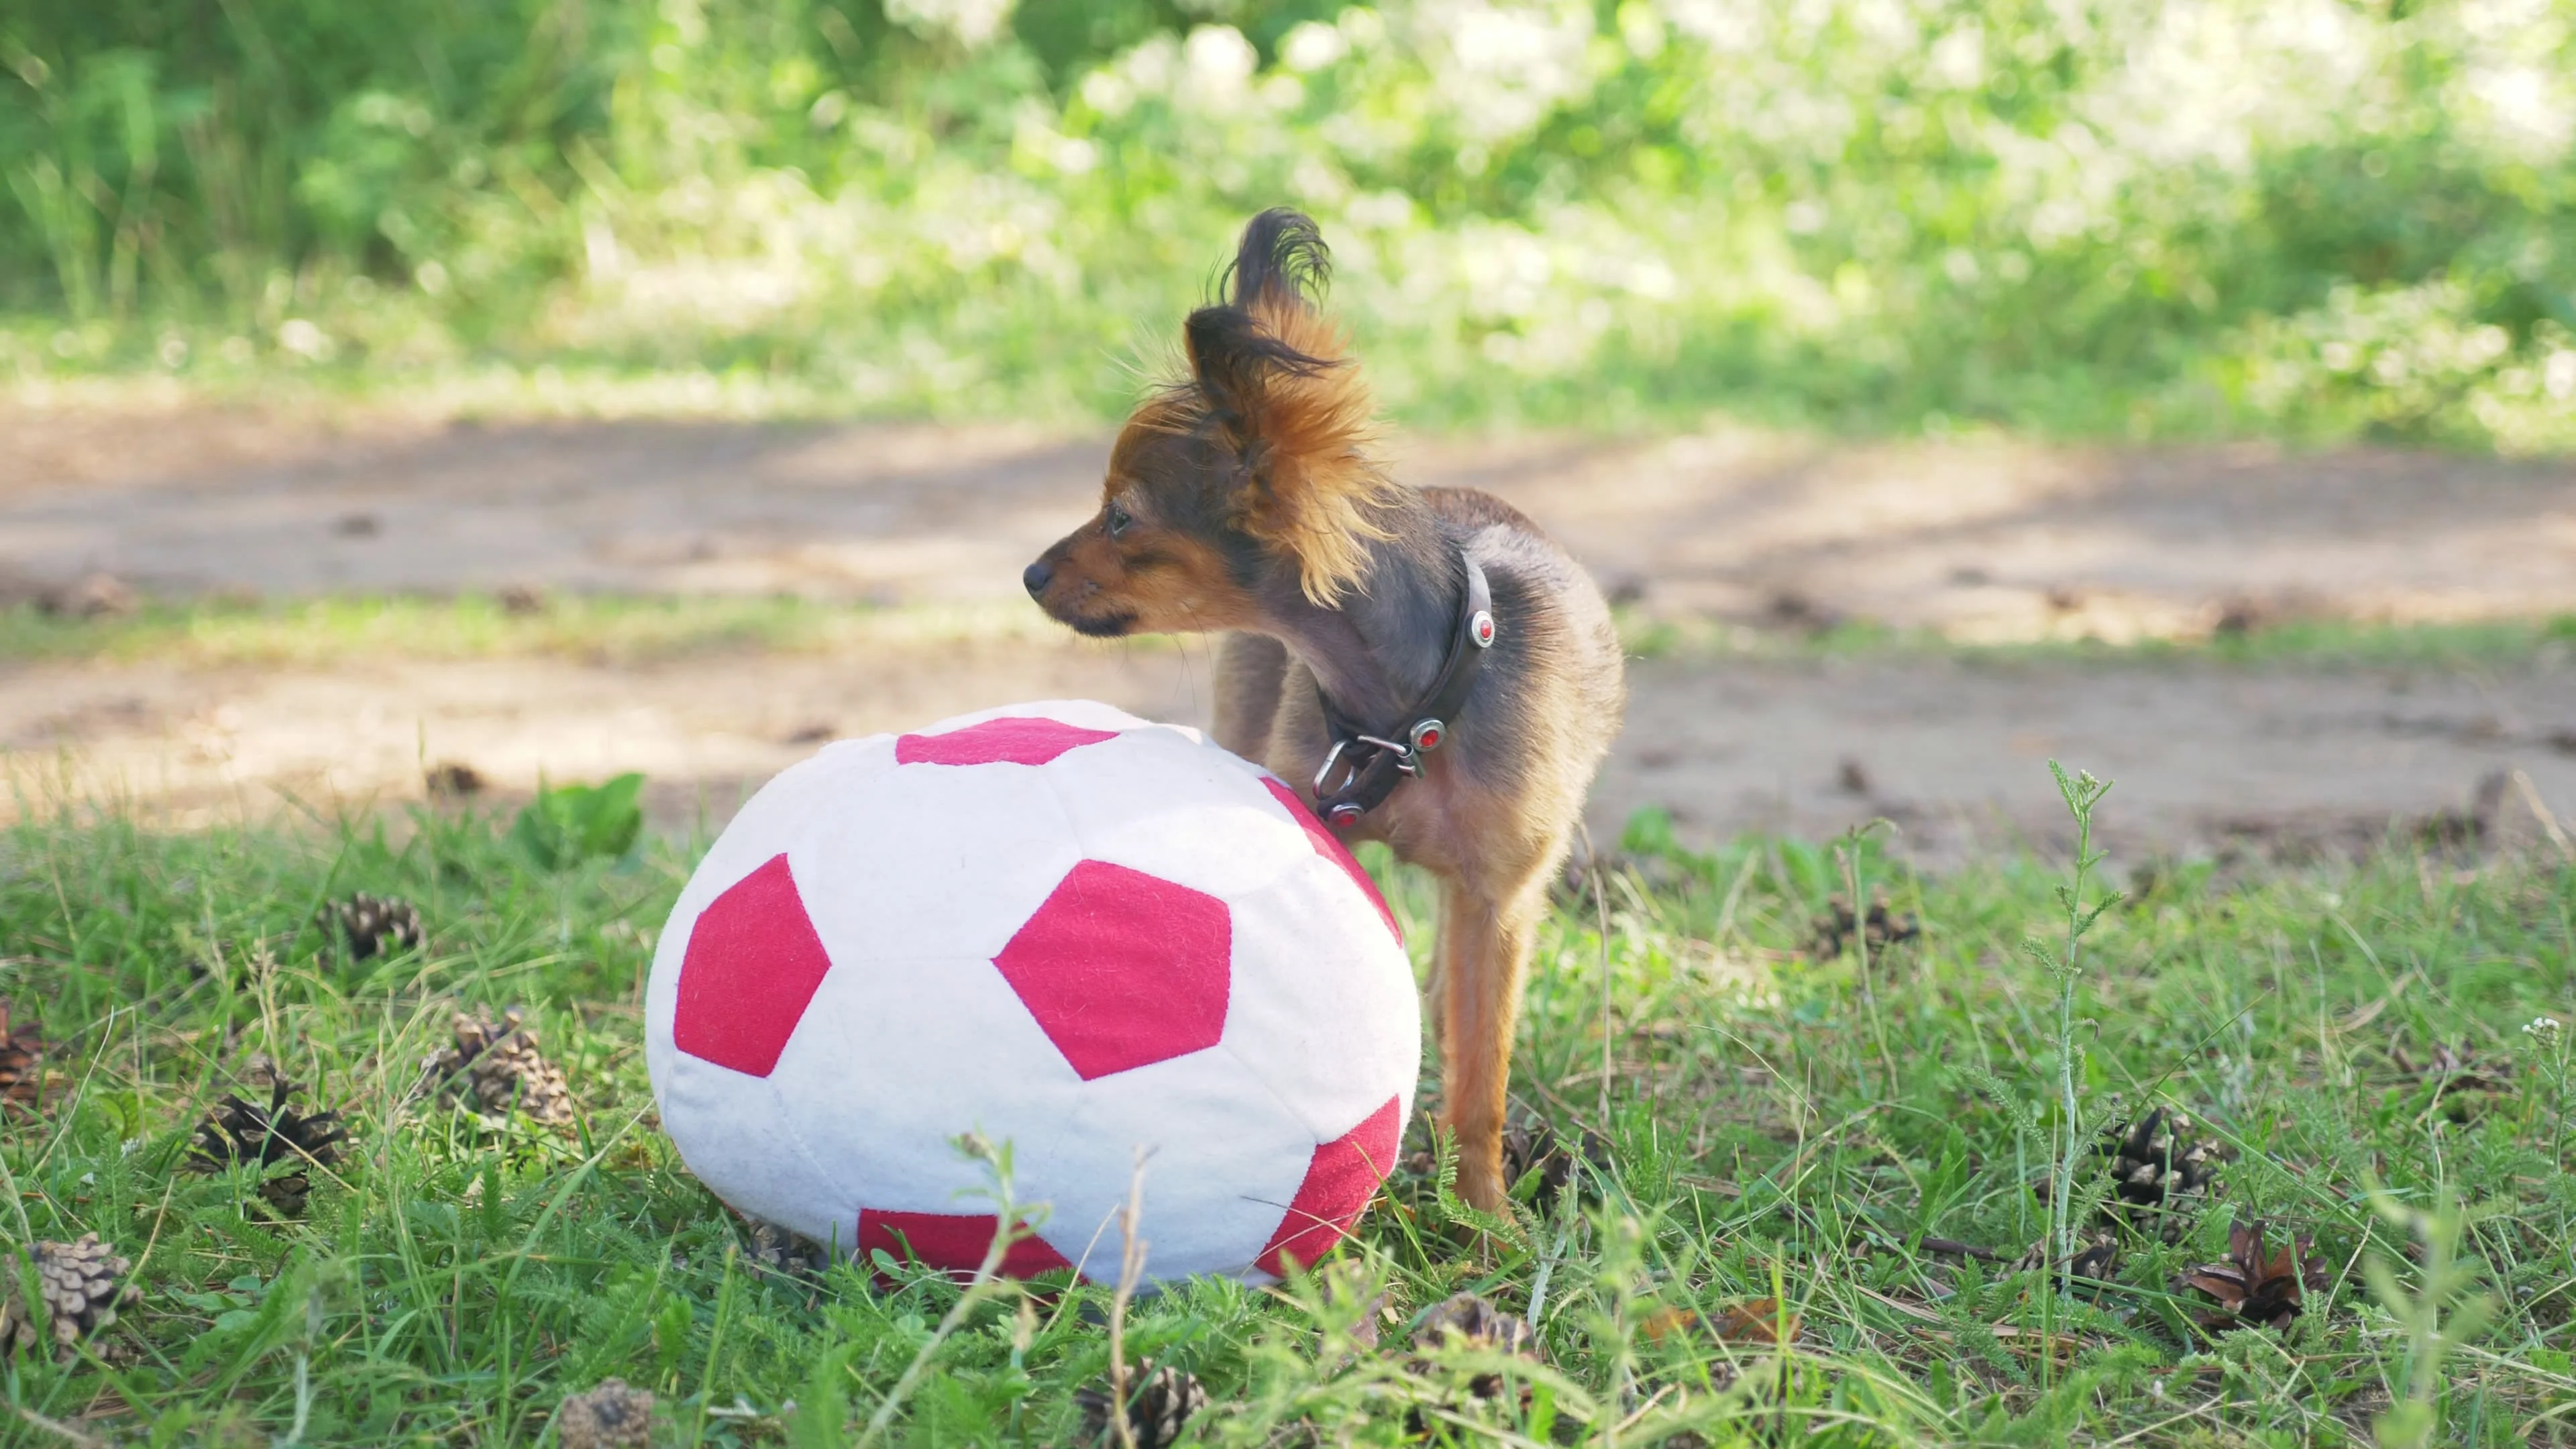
{"x":1423,"y":664}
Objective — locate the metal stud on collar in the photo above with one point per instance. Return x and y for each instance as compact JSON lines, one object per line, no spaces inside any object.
{"x":1481,"y":629}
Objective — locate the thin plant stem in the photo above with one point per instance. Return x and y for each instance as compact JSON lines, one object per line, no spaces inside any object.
{"x":1847,"y":854}
{"x":1601,"y":918}
{"x":982,"y":1285}
{"x":2081,"y":793}
{"x":1131,"y":1268}
{"x":716,"y":1336}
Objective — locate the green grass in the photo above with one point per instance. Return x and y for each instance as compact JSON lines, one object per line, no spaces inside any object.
{"x":1782,"y":1126}
{"x":635,"y":629}
{"x":2302,"y":641}
{"x":608,"y":628}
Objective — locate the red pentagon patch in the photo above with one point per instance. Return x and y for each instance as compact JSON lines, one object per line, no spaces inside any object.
{"x":952,"y":1242}
{"x":752,"y":965}
{"x":1014,"y":740}
{"x":1332,"y":849}
{"x":1123,"y":969}
{"x":1340,"y":1180}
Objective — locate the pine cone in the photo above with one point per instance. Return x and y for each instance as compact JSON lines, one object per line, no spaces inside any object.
{"x":1469,"y":1321}
{"x":285,"y":1194}
{"x":81,"y":1288}
{"x":373,"y":926}
{"x":2161,"y":1177}
{"x":22,"y":1061}
{"x":495,"y":1066}
{"x":1880,"y":927}
{"x":2096,"y":1258}
{"x":2254,"y":1290}
{"x":792,"y":1256}
{"x":611,"y":1416}
{"x":1160,"y":1402}
{"x":257,"y":1069}
{"x":243,"y":1132}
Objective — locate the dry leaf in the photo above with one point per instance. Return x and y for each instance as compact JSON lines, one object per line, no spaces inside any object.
{"x":1759,"y":1321}
{"x":1663,"y":1323}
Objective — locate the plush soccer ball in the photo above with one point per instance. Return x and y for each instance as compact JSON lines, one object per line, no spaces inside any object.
{"x":1062,"y":927}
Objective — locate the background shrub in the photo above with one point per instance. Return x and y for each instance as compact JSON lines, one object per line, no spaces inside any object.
{"x":2206,"y":216}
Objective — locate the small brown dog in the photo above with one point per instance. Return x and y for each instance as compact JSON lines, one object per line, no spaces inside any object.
{"x":1444,"y":675}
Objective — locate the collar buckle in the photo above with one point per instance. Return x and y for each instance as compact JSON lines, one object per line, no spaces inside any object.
{"x":1405,"y":759}
{"x":1324,"y":771}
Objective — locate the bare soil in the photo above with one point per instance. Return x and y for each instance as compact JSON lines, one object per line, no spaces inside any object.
{"x":1981,"y":541}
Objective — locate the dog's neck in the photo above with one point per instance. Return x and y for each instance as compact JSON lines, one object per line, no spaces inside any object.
{"x":1377,"y":653}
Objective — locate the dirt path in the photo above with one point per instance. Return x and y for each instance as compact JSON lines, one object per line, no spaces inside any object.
{"x":1981,"y":541}
{"x":2207,"y":756}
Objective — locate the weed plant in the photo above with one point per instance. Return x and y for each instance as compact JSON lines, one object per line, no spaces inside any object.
{"x":2288,"y":216}
{"x":1777,"y":1249}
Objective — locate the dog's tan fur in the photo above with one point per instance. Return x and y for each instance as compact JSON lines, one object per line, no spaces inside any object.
{"x":1248,"y":499}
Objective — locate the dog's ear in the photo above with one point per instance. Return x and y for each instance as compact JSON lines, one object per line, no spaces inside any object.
{"x":1281,"y":392}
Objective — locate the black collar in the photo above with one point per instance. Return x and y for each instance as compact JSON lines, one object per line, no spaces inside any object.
{"x":1374,"y":763}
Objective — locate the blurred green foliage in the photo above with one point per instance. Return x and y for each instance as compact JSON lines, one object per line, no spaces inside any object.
{"x":2321,"y":218}
{"x":568,"y":824}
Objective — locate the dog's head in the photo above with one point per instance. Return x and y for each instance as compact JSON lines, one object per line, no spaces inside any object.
{"x":1250,"y":479}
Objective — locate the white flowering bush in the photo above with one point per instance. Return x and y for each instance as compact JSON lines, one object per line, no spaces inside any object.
{"x":2207,"y":215}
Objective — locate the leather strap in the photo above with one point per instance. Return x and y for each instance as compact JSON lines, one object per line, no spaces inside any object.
{"x":1373,"y":762}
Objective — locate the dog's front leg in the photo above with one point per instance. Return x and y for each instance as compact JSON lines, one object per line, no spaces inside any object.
{"x":1484,"y":950}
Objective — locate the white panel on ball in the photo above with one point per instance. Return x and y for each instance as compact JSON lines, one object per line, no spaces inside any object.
{"x":1163,"y":801}
{"x":1325,"y":1008}
{"x":1225,"y":1157}
{"x":931,"y":860}
{"x":917,"y":1052}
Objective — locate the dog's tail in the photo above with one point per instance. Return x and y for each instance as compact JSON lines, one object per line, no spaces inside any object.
{"x":1282,"y":263}
{"x":1268,"y":323}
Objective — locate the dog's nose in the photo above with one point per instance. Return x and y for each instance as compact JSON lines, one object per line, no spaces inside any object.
{"x":1036,"y":577}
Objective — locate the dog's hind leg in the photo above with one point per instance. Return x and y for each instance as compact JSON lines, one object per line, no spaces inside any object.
{"x":1483,"y":953}
{"x":1250,"y":671}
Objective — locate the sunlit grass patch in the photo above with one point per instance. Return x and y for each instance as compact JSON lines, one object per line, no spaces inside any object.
{"x":2318,"y":641}
{"x":1820,"y":1171}
{"x":617,"y":628}
{"x":602,"y":627}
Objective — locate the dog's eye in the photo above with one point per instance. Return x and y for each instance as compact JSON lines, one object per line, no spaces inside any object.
{"x":1117,"y":519}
